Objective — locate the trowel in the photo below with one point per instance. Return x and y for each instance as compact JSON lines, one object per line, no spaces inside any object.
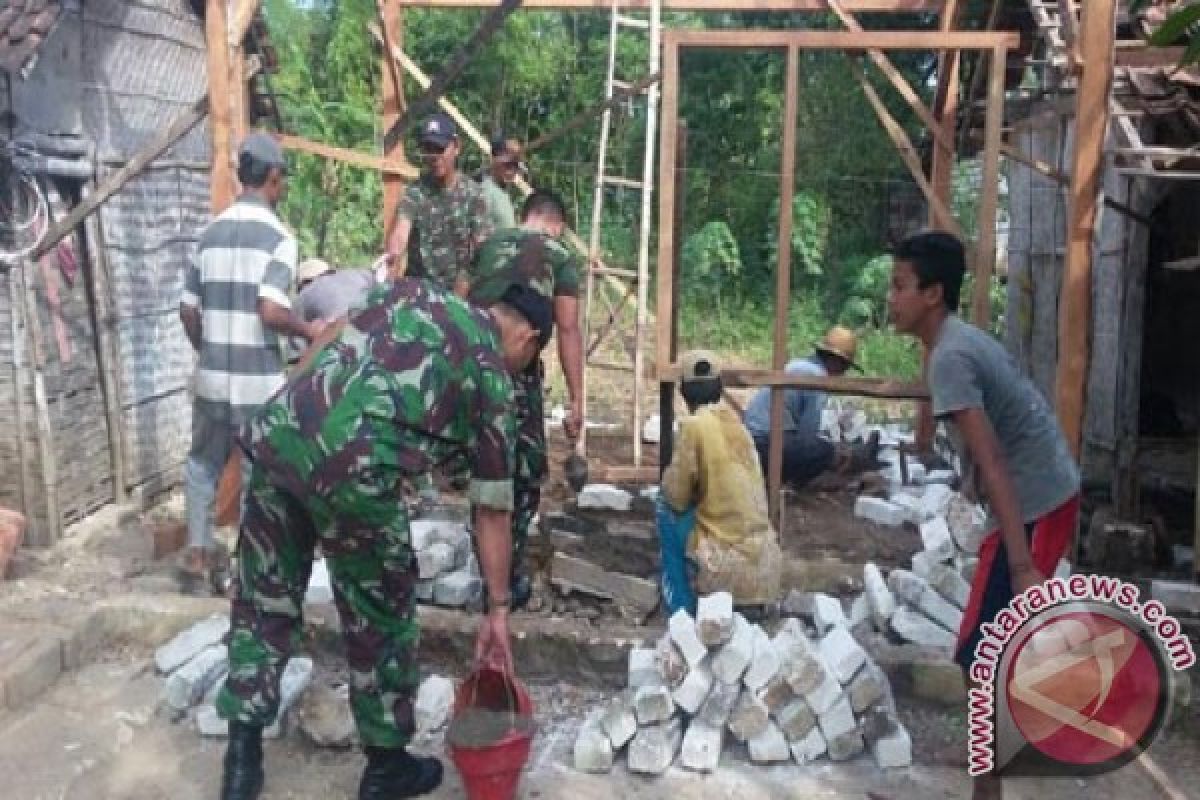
{"x":576,"y":468}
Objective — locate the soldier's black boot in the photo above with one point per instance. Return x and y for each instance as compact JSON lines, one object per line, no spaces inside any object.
{"x":393,"y":773}
{"x":243,"y":778}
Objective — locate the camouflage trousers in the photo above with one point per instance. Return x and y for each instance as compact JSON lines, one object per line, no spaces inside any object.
{"x":530,"y":461}
{"x":362,"y":527}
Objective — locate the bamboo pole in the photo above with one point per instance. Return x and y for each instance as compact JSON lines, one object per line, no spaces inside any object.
{"x":16,"y":302}
{"x":45,"y":439}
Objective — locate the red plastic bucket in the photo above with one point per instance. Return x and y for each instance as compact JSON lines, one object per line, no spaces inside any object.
{"x":492,"y":771}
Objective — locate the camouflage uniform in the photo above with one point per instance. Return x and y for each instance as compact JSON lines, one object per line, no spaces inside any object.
{"x":415,"y":380}
{"x":545,"y":265}
{"x":448,"y":227}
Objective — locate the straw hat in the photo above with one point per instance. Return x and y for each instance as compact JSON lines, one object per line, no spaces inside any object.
{"x":310,"y":269}
{"x":841,"y":342}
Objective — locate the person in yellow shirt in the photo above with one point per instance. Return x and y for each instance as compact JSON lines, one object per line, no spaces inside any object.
{"x":712,"y":508}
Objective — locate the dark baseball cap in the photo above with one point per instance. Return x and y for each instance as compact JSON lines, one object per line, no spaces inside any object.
{"x":437,"y":129}
{"x":263,"y":148}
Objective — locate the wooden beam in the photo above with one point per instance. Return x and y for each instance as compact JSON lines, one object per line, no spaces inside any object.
{"x":783,"y":279}
{"x":222,"y":186}
{"x":347,"y":156}
{"x":781,"y":6}
{"x":1091,"y":122}
{"x":945,"y":109}
{"x":113,"y":183}
{"x":583,"y":117}
{"x":908,"y":153}
{"x":985,"y":259}
{"x":454,"y":67}
{"x":391,"y":35}
{"x":886,"y":388}
{"x":47,"y":456}
{"x":667,"y":156}
{"x":242,"y":19}
{"x":880,"y":59}
{"x":843,"y":40}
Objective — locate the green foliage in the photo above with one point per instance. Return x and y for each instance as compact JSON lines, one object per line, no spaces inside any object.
{"x":1181,"y":26}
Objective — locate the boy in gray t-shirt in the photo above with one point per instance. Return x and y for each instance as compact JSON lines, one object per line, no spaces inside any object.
{"x":1004,"y":430}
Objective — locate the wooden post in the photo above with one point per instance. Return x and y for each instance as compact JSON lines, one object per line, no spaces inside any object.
{"x":15,"y":304}
{"x":665,"y":307}
{"x":666,"y":388}
{"x":985,"y":259}
{"x":393,"y":106}
{"x":783,"y":279}
{"x":216,"y":34}
{"x":107,"y":356}
{"x":945,"y":109}
{"x":1097,"y":31}
{"x":45,"y":439}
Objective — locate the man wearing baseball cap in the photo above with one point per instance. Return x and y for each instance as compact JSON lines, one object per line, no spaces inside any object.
{"x":714,"y":533}
{"x":442,"y":219}
{"x":498,"y":180}
{"x":806,"y":453}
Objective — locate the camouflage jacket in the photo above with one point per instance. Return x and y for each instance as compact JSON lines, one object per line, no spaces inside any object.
{"x":530,"y":258}
{"x":448,"y":227}
{"x":416,"y":380}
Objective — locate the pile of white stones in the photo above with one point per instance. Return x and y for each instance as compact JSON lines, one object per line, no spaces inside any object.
{"x":718,"y":680}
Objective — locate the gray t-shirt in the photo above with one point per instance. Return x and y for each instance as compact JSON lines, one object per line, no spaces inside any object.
{"x":334,"y":294}
{"x":970,"y":369}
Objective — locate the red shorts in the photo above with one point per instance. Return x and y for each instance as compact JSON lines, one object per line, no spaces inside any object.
{"x":991,"y":590}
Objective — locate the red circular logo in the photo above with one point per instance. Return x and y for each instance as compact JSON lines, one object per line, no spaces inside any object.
{"x":1085,"y":689}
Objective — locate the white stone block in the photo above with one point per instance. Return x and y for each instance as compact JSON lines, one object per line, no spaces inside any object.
{"x":655,"y":746}
{"x":916,"y":472}
{"x":894,"y":750}
{"x":593,"y":752}
{"x":810,"y":748}
{"x":923,"y":563}
{"x":456,"y":589}
{"x":879,"y":511}
{"x":776,"y":694}
{"x":653,"y":704}
{"x":643,"y":667}
{"x":769,"y":746}
{"x":910,"y":504}
{"x":297,"y":677}
{"x":701,"y":750}
{"x":652,"y":429}
{"x":435,"y":699}
{"x":966,"y":566}
{"x":719,"y":704}
{"x":187,"y":644}
{"x":827,"y":613}
{"x":796,"y":719}
{"x":868,"y":687}
{"x":209,"y":723}
{"x":434,"y":560}
{"x":714,"y":619}
{"x":1062,"y":571}
{"x":682,"y":628}
{"x":186,"y":686}
{"x":694,"y":690}
{"x":604,"y":496}
{"x":826,"y":693}
{"x":837,"y":719}
{"x":423,"y":591}
{"x":946,"y":581}
{"x":913,"y":626}
{"x":843,"y":655}
{"x":749,"y":717}
{"x":320,"y":586}
{"x":937,"y":609}
{"x":944,"y":476}
{"x":764,"y":664}
{"x":618,"y":721}
{"x":800,"y":665}
{"x":854,"y":426}
{"x":860,"y":611}
{"x":672,"y":666}
{"x":879,"y":596}
{"x":934,"y":500}
{"x":831,"y":426}
{"x":731,"y":661}
{"x":906,"y":586}
{"x":846,"y":746}
{"x":967,"y":522}
{"x":935,"y":537}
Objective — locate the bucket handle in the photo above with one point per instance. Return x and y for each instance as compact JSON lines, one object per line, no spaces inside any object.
{"x":509,"y":688}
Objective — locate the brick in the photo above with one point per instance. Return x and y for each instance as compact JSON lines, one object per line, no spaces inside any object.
{"x":846,"y":746}
{"x":683,"y":633}
{"x":827,"y":613}
{"x":672,"y":666}
{"x":936,"y":539}
{"x":934,"y":606}
{"x":593,"y":752}
{"x":576,"y":574}
{"x":457,"y":589}
{"x":837,"y":719}
{"x":946,"y":581}
{"x":1177,"y":596}
{"x":694,"y":690}
{"x":435,"y":698}
{"x":186,"y":686}
{"x":701,"y":750}
{"x":618,"y":720}
{"x":913,"y":626}
{"x":879,"y":511}
{"x":653,"y":704}
{"x":643,"y":667}
{"x":769,"y":746}
{"x":867,"y":688}
{"x":714,"y":619}
{"x":604,"y":496}
{"x":719,"y":704}
{"x":731,"y":661}
{"x":879,"y":596}
{"x":764,"y":664}
{"x":186,"y":644}
{"x":894,"y":750}
{"x":749,"y":717}
{"x":654,"y":747}
{"x":843,"y":655}
{"x":434,"y":560}
{"x":796,"y":719}
{"x":810,"y":748}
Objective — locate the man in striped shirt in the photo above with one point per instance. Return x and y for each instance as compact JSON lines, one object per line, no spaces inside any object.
{"x":235,"y":309}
